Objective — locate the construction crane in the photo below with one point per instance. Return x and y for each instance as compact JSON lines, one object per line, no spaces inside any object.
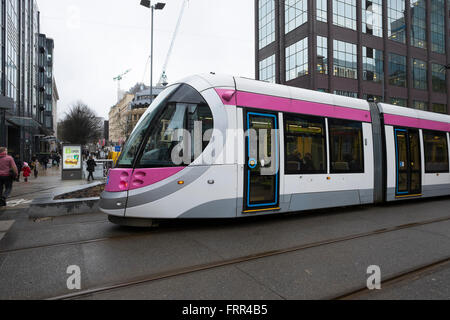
{"x":163,"y":81}
{"x":118,"y":79}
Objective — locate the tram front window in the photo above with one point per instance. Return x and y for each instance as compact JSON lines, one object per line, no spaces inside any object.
{"x":131,"y":148}
{"x":181,"y":119}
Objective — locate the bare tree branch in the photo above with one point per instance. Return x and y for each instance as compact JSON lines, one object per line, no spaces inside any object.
{"x":80,"y":125}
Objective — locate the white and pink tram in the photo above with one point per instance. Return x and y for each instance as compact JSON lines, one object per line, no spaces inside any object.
{"x":214,"y":146}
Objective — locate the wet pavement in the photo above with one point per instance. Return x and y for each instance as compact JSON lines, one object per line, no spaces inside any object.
{"x":324,"y":260}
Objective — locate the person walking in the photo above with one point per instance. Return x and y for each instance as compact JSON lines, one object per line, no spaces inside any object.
{"x":91,"y":168}
{"x":19,"y":165}
{"x":58,"y":159}
{"x":26,"y":171}
{"x":8,"y":172}
{"x":45,"y":162}
{"x":34,"y":167}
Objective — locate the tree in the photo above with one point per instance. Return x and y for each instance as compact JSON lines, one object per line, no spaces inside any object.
{"x":80,"y":125}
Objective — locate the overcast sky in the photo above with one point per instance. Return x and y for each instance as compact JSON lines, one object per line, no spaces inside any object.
{"x":96,"y":40}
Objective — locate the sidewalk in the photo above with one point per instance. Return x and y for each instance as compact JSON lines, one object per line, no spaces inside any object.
{"x":48,"y":182}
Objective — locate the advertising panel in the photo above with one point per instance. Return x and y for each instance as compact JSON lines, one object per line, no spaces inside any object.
{"x":71,"y":157}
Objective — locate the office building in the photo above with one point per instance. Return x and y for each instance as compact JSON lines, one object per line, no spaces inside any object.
{"x":395,"y":51}
{"x":26,"y":81}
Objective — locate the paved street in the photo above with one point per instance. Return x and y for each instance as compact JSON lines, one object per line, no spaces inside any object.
{"x":48,"y":181}
{"x":315,"y":255}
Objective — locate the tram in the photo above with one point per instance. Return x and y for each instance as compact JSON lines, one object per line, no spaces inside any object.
{"x":216,"y":146}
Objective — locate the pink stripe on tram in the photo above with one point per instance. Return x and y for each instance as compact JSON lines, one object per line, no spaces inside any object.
{"x":403,"y":121}
{"x":265,"y":102}
{"x":118,"y":180}
{"x":147,"y":177}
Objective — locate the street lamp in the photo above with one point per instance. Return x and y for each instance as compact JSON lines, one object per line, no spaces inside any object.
{"x":157,"y":6}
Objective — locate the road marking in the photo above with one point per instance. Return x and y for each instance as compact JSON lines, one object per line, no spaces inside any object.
{"x":18,"y":202}
{"x":2,"y":234}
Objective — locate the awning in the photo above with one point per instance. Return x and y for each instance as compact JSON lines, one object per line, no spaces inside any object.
{"x":49,"y":139}
{"x":23,"y":122}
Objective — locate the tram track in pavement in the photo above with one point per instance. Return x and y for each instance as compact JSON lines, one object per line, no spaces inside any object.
{"x":256,"y":256}
{"x":139,"y":234}
{"x":412,"y":274}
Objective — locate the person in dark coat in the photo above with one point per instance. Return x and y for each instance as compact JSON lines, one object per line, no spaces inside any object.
{"x":19,"y":165}
{"x":57,"y":159}
{"x":45,"y":162}
{"x":91,"y":168}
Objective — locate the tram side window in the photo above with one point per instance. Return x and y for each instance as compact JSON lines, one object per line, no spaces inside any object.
{"x":346,"y":146}
{"x":436,"y":152}
{"x":305,"y":145}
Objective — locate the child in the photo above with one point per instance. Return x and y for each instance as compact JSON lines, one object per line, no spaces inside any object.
{"x":26,"y":171}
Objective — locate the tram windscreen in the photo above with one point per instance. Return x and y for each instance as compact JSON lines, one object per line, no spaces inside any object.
{"x":184,"y":119}
{"x":131,"y":148}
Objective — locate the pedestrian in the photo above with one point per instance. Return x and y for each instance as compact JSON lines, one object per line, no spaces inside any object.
{"x":26,"y":171}
{"x":58,"y":159}
{"x":45,"y":162}
{"x":34,"y":167}
{"x":91,"y":168}
{"x":19,"y":165}
{"x":8,"y":172}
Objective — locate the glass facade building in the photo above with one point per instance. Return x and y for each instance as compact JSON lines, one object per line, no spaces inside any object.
{"x":24,"y":127}
{"x":396,"y":51}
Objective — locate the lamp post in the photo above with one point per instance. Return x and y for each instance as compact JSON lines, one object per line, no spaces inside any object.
{"x":157,"y":6}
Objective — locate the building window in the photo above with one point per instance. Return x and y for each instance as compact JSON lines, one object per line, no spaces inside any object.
{"x":438,"y":26}
{"x":399,"y":102}
{"x":420,"y":105}
{"x":372,"y":17}
{"x":436,"y":151}
{"x":267,"y":69}
{"x":439,"y":108}
{"x":420,"y":74}
{"x":346,"y":93}
{"x":322,"y":55}
{"x":419,"y":24}
{"x":346,"y":146}
{"x":373,"y":65}
{"x":397,"y":70}
{"x":296,"y":14}
{"x":344,"y":13}
{"x":266,"y":22}
{"x":305,"y":145}
{"x":345,"y":60}
{"x":297,"y":60}
{"x":439,"y":78}
{"x":322,"y":10}
{"x":396,"y":20}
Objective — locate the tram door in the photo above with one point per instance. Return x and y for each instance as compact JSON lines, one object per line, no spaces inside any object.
{"x":262,"y":163}
{"x":409,"y":168}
